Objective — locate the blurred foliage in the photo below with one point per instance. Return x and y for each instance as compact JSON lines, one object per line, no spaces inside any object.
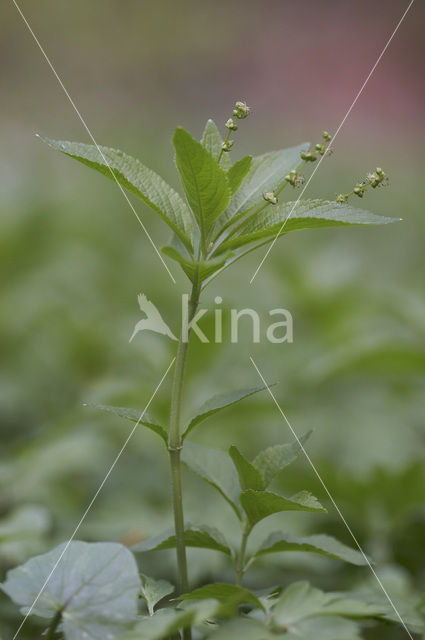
{"x":73,"y":260}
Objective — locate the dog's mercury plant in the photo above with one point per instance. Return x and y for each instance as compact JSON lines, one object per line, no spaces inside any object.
{"x":229,"y":210}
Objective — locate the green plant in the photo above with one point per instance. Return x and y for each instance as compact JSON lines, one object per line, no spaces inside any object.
{"x":230,"y":210}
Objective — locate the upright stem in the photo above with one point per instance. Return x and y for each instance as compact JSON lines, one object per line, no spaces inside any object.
{"x":175,"y":443}
{"x":240,"y":564}
{"x":54,"y":625}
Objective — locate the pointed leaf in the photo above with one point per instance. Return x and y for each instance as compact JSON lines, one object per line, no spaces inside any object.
{"x":216,"y":468}
{"x":267,"y":173}
{"x":212,"y":141}
{"x":154,"y":590}
{"x":273,"y":459}
{"x":219,"y":402}
{"x":134,"y":176}
{"x":134,"y":415}
{"x":307,"y":214}
{"x":249,"y":477}
{"x":238,"y":172}
{"x":96,"y":585}
{"x":204,"y":181}
{"x":225,"y":593}
{"x":260,"y":504}
{"x":202,"y":537}
{"x":322,"y":544}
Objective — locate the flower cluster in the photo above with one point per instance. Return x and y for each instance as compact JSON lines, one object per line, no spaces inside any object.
{"x":240,"y":112}
{"x":373,"y":179}
{"x":320,"y":149}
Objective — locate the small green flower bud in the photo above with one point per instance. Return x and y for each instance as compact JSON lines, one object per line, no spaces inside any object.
{"x":341,"y":198}
{"x":231,"y":125}
{"x":379,"y":172}
{"x":226,"y":146}
{"x":326,"y":136}
{"x":321,"y":148}
{"x":270,"y":197}
{"x":292,"y":178}
{"x":308,"y":156}
{"x":241,"y":110}
{"x":359,"y":190}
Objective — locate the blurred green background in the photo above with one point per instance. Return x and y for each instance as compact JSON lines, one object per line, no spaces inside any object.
{"x":73,"y":259}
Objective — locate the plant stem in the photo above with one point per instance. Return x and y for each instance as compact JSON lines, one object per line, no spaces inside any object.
{"x":240,"y":565}
{"x":54,"y":625}
{"x":175,"y":444}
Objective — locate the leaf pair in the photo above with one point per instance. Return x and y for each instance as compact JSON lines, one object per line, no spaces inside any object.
{"x":212,"y":406}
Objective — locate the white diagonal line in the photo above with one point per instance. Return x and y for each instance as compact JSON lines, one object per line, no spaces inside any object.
{"x":83,"y":122}
{"x":111,"y":468}
{"x":341,"y":124}
{"x":338,"y":510}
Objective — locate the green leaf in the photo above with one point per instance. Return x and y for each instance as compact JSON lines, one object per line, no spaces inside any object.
{"x":224,"y":593}
{"x":249,"y":477}
{"x":154,"y":590}
{"x":267,"y":173}
{"x":205,"y":268}
{"x":307,"y":214}
{"x":212,"y":141}
{"x":260,"y":504}
{"x":237,"y":173}
{"x":96,"y":585}
{"x":169,"y":621}
{"x":273,"y":459}
{"x":322,"y":544}
{"x":134,"y":176}
{"x":204,"y":181}
{"x":216,"y":468}
{"x":202,"y":537}
{"x":134,"y":416}
{"x":300,"y":601}
{"x":217,"y":403}
{"x":324,"y":629}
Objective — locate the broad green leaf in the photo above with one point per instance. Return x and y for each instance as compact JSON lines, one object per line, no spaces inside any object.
{"x":267,"y":173}
{"x":212,"y":141}
{"x":204,"y":181}
{"x":95,"y":585}
{"x":301,"y":602}
{"x":322,"y":544}
{"x":260,"y":504}
{"x":323,"y":628}
{"x":205,"y":268}
{"x":202,"y":537}
{"x":307,"y":214}
{"x":217,"y":403}
{"x":154,"y":590}
{"x":134,"y":176}
{"x":225,"y":593}
{"x":134,"y":415}
{"x":273,"y":459}
{"x":238,"y":172}
{"x":22,"y":531}
{"x":249,"y":477}
{"x":216,"y":468}
{"x":167,"y":622}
